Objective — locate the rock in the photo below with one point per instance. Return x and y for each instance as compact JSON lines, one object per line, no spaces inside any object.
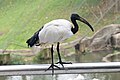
{"x":4,"y":59}
{"x":104,"y":39}
{"x":101,"y":43}
{"x":84,"y":43}
{"x":116,"y":40}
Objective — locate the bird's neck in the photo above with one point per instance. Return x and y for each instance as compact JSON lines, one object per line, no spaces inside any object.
{"x":75,"y":28}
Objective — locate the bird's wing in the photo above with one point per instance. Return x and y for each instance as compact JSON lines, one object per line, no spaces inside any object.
{"x":59,"y":23}
{"x":54,"y":33}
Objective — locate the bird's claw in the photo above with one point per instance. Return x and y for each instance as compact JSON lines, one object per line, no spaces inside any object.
{"x":60,"y":62}
{"x":52,"y":68}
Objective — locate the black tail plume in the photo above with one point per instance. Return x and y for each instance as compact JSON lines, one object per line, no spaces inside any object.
{"x":34,"y":39}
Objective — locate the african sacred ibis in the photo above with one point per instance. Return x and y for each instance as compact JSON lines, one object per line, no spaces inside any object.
{"x":56,"y":31}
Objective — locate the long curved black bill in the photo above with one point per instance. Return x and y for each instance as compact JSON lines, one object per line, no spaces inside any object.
{"x":86,"y":22}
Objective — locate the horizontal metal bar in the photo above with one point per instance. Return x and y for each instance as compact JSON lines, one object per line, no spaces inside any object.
{"x":74,"y":68}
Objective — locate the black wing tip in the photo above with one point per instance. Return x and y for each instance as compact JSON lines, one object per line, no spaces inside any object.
{"x":33,"y":40}
{"x":29,"y":43}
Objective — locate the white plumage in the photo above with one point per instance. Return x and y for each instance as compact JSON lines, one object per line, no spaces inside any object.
{"x":54,"y":31}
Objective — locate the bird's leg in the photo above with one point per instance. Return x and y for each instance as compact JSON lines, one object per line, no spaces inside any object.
{"x":60,"y":60}
{"x":52,"y":64}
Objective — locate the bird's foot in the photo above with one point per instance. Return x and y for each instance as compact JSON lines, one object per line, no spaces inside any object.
{"x":52,"y":68}
{"x":60,"y":62}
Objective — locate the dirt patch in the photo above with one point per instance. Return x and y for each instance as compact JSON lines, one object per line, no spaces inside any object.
{"x":1,"y":33}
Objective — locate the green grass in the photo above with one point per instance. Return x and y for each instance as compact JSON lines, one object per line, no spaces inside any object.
{"x":19,"y":19}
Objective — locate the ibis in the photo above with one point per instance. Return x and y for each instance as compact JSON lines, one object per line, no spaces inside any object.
{"x":56,"y":31}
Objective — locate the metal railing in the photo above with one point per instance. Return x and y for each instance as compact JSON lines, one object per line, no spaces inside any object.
{"x":74,"y":68}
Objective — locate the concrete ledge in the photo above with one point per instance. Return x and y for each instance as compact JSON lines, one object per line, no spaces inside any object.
{"x":74,"y":68}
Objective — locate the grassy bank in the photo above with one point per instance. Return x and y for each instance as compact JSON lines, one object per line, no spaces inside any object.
{"x":19,"y":19}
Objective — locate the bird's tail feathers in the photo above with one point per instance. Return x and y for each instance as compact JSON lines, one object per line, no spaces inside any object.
{"x":33,"y":40}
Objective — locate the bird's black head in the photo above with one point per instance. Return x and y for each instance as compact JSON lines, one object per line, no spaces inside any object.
{"x":77,"y":17}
